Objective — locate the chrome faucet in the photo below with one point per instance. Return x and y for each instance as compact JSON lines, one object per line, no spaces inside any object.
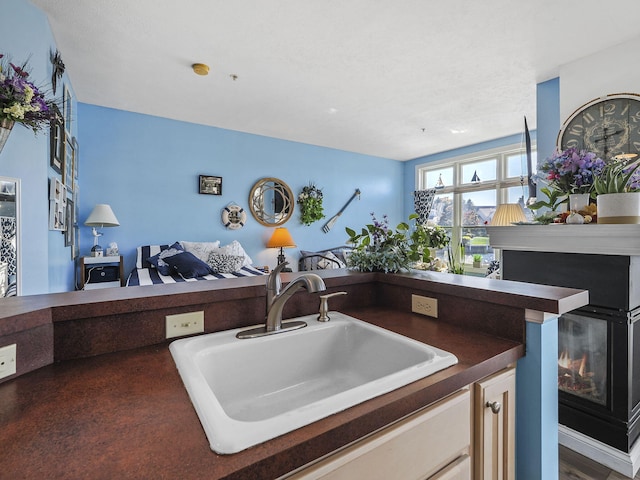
{"x":312,"y":282}
{"x":277,"y":298}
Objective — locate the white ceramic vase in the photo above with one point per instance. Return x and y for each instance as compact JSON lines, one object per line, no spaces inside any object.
{"x":619,"y":207}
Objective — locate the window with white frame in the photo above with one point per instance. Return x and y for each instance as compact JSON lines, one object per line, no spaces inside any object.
{"x":469,"y":188}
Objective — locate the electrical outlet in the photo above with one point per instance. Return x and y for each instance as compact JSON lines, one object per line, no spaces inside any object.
{"x":184,"y":324}
{"x":7,"y":360}
{"x":424,"y":305}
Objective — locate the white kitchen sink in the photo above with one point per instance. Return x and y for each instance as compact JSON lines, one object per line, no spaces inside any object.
{"x":251,"y":390}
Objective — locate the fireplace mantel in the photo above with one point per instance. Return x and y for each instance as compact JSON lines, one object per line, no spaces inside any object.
{"x":563,"y":238}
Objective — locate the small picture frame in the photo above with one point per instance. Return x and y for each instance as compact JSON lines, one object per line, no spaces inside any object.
{"x":69,"y":232}
{"x":69,"y":165}
{"x":57,"y":205}
{"x":56,"y":140}
{"x":210,"y":185}
{"x":67,"y":106}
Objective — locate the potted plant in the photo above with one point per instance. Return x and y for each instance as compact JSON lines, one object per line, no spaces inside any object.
{"x":379,"y":248}
{"x":617,"y":191}
{"x":571,"y":173}
{"x":477,"y":260}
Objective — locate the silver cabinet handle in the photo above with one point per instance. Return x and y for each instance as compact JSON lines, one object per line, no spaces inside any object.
{"x":494,"y":406}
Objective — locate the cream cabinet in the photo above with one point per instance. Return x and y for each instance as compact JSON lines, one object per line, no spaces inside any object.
{"x":433,"y":443}
{"x":494,"y":426}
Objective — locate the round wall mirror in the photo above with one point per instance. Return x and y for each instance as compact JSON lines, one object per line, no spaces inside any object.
{"x":271,"y":202}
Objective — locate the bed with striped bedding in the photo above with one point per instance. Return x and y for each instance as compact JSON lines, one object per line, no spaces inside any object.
{"x":151,"y":276}
{"x":145,"y":274}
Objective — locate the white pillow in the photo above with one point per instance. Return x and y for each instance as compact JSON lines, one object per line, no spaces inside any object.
{"x":200,"y":249}
{"x":234,"y":248}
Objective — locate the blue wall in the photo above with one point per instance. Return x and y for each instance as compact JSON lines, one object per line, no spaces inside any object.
{"x":46,"y":264}
{"x":147,"y":169}
{"x":548,"y":107}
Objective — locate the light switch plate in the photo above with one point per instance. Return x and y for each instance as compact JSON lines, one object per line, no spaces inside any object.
{"x":8,"y":360}
{"x":424,"y":305}
{"x":184,"y":324}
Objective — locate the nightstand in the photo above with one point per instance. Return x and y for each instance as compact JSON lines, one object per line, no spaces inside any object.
{"x":101,"y":272}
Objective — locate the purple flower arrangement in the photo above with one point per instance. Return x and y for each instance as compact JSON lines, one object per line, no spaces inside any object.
{"x":572,"y":170}
{"x":20,"y":100}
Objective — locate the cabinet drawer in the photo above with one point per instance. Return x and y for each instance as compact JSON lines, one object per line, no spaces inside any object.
{"x":416,"y":447}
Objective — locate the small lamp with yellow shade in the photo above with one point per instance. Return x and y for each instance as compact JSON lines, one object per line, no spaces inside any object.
{"x":508,"y":214}
{"x":281,"y":239}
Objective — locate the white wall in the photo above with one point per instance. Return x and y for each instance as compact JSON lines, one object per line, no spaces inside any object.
{"x":614,"y":70}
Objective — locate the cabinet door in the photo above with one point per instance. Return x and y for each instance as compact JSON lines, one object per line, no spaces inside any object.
{"x":459,"y":469}
{"x":494,"y":433}
{"x":414,"y":448}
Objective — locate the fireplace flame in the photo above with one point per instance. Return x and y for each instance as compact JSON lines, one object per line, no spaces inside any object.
{"x":583,"y":365}
{"x":564,"y":360}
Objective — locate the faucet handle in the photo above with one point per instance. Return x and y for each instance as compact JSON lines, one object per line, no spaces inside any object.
{"x":324,"y":306}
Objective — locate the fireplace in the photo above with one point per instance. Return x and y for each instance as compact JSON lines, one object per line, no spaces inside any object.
{"x":598,"y":351}
{"x":582,"y":357}
{"x":598,"y":345}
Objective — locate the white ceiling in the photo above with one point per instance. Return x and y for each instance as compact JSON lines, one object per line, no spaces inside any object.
{"x":392,"y":78}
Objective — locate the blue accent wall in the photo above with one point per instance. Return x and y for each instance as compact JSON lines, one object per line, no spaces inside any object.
{"x":46,"y":263}
{"x":147,"y":169}
{"x":548,"y":107}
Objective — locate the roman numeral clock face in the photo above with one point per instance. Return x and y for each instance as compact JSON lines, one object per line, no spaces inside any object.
{"x":607,"y":126}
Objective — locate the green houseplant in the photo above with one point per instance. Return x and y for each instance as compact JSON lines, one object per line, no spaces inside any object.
{"x":617,"y":191}
{"x":382,"y":249}
{"x":477,"y":260}
{"x":310,"y":201}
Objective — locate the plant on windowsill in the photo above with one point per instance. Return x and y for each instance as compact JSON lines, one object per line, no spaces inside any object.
{"x":379,"y":248}
{"x":477,"y":260}
{"x":310,"y":201}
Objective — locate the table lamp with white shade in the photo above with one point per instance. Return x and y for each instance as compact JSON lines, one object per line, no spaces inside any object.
{"x":101,"y":216}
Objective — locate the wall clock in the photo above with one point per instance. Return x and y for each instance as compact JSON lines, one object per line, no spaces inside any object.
{"x":607,"y":126}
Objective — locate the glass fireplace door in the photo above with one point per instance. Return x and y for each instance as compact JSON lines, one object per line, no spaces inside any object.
{"x":582,"y":357}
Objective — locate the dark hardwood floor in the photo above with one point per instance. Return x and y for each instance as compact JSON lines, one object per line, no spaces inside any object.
{"x":574,"y":466}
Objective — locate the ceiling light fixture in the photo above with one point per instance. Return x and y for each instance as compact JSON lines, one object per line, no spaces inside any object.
{"x":200,"y":68}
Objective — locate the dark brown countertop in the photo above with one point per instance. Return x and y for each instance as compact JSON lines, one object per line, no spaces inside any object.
{"x":128,"y":415}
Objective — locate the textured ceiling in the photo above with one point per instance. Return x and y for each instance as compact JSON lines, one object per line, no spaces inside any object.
{"x":392,"y":78}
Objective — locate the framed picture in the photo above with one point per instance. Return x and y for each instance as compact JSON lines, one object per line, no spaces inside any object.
{"x":57,"y":205}
{"x":67,"y":106}
{"x":69,"y":164}
{"x":56,"y":140}
{"x":76,"y":161}
{"x":75,"y":239}
{"x":210,"y":185}
{"x":68,"y":233}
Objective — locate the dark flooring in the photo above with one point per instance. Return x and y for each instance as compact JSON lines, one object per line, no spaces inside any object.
{"x":574,"y":466}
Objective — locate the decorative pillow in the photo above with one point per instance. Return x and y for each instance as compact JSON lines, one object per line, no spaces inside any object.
{"x":146,"y":251}
{"x":314,"y":260}
{"x":234,"y":248}
{"x":223,"y":263}
{"x":158,"y":262}
{"x":187,"y":265}
{"x":200,"y":249}
{"x":327,"y":263}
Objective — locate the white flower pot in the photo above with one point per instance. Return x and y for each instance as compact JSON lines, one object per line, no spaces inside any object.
{"x":619,"y":207}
